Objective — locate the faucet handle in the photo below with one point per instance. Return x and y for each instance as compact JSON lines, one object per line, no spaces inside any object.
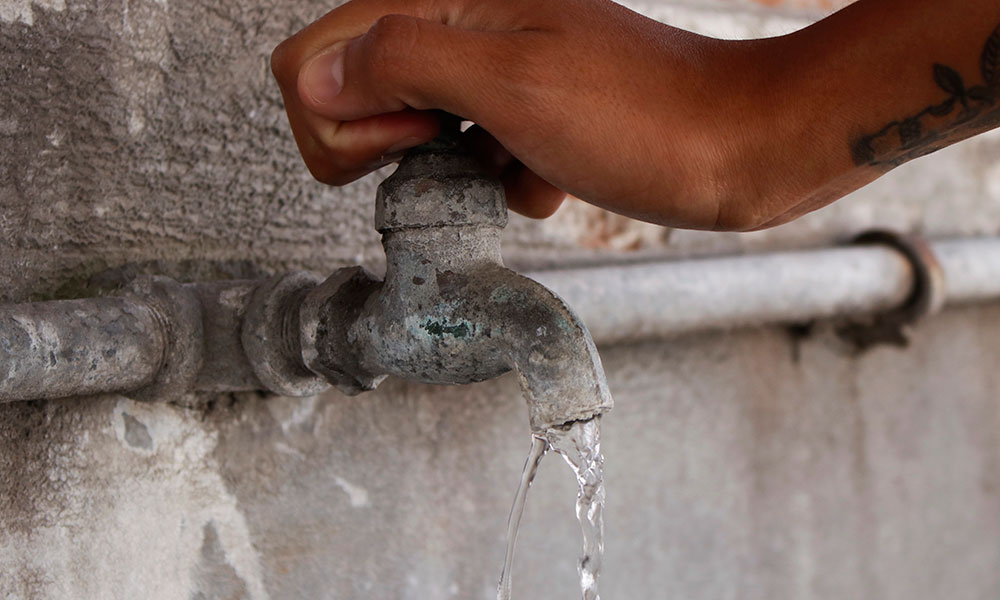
{"x":439,"y":184}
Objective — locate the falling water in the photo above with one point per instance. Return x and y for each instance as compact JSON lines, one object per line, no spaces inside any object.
{"x":579,"y":443}
{"x":539,"y":446}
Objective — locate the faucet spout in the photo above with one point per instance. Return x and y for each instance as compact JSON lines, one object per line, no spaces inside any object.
{"x":552,"y":352}
{"x":448,"y":311}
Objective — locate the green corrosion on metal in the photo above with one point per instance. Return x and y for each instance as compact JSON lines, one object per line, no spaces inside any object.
{"x":441,"y":329}
{"x":507,"y":295}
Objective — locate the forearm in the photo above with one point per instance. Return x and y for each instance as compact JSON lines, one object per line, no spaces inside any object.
{"x":873,"y":86}
{"x":656,"y":123}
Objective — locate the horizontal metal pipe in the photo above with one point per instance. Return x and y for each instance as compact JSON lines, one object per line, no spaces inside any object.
{"x":648,"y":301}
{"x":93,"y":345}
{"x":78,"y":347}
{"x":225,"y":366}
{"x":971,"y":268}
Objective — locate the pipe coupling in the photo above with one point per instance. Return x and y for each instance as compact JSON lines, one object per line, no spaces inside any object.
{"x":326,"y":315}
{"x":177,"y":312}
{"x":270,"y":335}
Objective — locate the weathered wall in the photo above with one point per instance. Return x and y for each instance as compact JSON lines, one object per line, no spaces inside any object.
{"x":738,"y":466}
{"x":751,"y":464}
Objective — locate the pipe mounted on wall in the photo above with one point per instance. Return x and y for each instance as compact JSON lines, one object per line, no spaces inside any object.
{"x":161,"y":338}
{"x":632,"y":303}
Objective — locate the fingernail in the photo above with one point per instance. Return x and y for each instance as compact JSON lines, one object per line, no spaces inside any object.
{"x":323,"y":77}
{"x":386,"y":159}
{"x":404,"y":144}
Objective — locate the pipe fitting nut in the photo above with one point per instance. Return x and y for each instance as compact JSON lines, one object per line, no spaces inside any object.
{"x":326,"y":315}
{"x":435,"y":188}
{"x":178,"y":313}
{"x":270,"y":335}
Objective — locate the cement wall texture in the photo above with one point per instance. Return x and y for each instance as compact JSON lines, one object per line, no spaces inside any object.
{"x":753,"y":464}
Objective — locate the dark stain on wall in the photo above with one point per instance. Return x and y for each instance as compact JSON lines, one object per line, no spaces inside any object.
{"x":214,"y":577}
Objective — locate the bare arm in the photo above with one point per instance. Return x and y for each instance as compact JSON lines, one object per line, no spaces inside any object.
{"x":880,"y":83}
{"x":586,"y":97}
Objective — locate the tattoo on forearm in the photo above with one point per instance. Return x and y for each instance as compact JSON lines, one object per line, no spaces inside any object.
{"x":964,"y":112}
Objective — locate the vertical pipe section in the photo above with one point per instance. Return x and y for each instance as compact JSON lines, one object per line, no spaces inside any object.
{"x":77,"y":347}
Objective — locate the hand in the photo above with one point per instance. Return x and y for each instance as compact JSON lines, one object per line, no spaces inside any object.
{"x":581,"y":96}
{"x":656,"y":123}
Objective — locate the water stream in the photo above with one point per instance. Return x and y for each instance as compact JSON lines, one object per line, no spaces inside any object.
{"x":579,"y":443}
{"x":539,"y":446}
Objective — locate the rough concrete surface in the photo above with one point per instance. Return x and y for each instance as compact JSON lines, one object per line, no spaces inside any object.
{"x":147,"y":131}
{"x":751,"y":465}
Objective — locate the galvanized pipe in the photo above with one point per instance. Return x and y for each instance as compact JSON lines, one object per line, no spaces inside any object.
{"x":164,"y":338}
{"x":78,"y":347}
{"x":147,"y":342}
{"x":225,"y":367}
{"x":631,"y":303}
{"x":971,"y":268}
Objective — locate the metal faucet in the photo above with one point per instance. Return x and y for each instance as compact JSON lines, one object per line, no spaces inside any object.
{"x":448,"y":311}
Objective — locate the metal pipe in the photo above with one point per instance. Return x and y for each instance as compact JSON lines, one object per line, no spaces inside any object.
{"x":163,"y":338}
{"x":223,"y":308}
{"x":147,"y":342}
{"x":78,"y":347}
{"x":649,"y":301}
{"x":971,"y":268}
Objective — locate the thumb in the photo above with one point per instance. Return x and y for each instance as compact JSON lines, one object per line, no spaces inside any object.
{"x":408,"y":62}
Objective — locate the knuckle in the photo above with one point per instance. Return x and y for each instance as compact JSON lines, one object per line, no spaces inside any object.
{"x":333,"y":163}
{"x":324,"y":171}
{"x":285,"y":63}
{"x":339,"y":152}
{"x":392,"y":40}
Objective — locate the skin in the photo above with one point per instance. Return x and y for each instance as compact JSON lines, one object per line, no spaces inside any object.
{"x":640,"y":118}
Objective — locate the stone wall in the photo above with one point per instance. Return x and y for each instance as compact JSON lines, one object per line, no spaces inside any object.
{"x":754,"y":464}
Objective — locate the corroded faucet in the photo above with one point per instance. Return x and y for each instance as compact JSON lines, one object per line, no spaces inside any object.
{"x":448,"y":310}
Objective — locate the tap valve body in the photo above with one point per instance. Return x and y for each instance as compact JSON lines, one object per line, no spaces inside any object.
{"x":448,"y":311}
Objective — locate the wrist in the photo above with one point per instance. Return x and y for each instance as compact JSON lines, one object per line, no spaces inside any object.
{"x":735,"y":144}
{"x":783,"y":141}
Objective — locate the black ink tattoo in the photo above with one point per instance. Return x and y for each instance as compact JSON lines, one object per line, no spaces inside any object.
{"x":938,"y":125}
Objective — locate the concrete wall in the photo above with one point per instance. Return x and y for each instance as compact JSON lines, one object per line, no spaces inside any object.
{"x":752,"y":464}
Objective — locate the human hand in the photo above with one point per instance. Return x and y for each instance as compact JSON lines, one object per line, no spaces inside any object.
{"x":578,"y":96}
{"x":656,"y":123}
